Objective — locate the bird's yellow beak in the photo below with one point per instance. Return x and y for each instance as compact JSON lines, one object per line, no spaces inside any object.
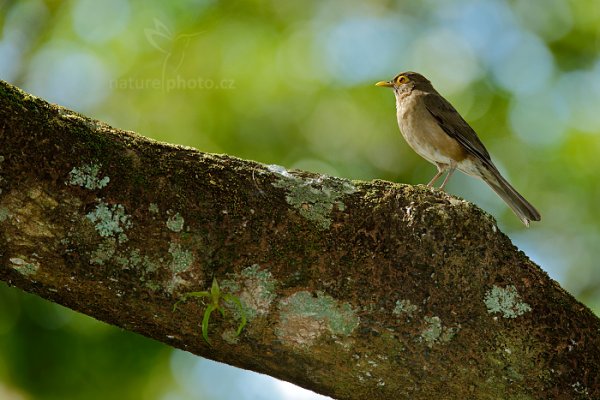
{"x":384,"y":84}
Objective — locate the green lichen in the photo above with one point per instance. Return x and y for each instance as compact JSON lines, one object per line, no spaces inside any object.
{"x":506,"y":301}
{"x":255,"y":287}
{"x":107,"y":250}
{"x":87,"y":177}
{"x":4,"y":214}
{"x":304,"y":318}
{"x":147,"y":268}
{"x":182,"y":259}
{"x":142,"y":264}
{"x":153,"y":208}
{"x":314,"y":198}
{"x":24,"y":267}
{"x":175,"y":223}
{"x":175,"y":282}
{"x":404,"y":307}
{"x":129,"y":260}
{"x":134,"y":257}
{"x":110,"y":221}
{"x":435,"y":332}
{"x":104,"y":252}
{"x":230,"y":336}
{"x":153,"y":285}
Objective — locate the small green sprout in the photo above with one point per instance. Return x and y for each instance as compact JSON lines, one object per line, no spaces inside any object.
{"x":216,"y":297}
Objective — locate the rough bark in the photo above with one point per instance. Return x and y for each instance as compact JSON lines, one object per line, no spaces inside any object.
{"x":356,"y":290}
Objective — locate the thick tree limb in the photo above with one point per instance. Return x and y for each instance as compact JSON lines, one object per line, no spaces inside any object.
{"x":357,"y":290}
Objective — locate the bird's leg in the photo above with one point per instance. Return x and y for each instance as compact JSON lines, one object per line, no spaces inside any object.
{"x":450,"y":172}
{"x":441,"y":170}
{"x":435,"y":178}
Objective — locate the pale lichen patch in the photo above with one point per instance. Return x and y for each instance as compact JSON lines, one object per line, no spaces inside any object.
{"x":153,"y":208}
{"x":175,"y":282}
{"x":255,"y":288}
{"x":131,"y":259}
{"x":87,"y":176}
{"x":300,"y":331}
{"x":435,"y":332}
{"x":110,"y":221}
{"x":404,"y":307}
{"x":24,"y":267}
{"x":104,"y":252}
{"x":230,"y":336}
{"x":506,"y":301}
{"x":181,"y":259}
{"x":142,"y":264}
{"x":303,"y":318}
{"x":147,"y":268}
{"x":314,"y":198}
{"x":175,"y":223}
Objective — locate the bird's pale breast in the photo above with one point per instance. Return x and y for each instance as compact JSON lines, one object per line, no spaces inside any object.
{"x":422,"y":132}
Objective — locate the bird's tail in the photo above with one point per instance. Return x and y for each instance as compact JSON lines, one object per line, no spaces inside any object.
{"x":521,"y":207}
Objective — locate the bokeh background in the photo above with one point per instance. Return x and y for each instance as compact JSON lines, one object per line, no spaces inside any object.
{"x":291,"y":83}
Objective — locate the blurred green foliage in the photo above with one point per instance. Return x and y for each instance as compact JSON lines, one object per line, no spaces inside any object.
{"x":291,"y":83}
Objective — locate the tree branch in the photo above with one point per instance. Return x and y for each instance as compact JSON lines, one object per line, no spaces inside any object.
{"x":355,"y":290}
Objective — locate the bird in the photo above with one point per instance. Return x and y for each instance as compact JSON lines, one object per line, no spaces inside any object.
{"x":437,"y":132}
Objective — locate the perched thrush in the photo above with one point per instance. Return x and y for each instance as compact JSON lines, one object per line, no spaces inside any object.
{"x":437,"y":132}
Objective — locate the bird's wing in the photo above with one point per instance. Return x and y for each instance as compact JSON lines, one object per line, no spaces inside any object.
{"x":455,"y":126}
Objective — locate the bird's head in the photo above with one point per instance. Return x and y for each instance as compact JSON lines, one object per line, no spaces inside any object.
{"x":406,"y":82}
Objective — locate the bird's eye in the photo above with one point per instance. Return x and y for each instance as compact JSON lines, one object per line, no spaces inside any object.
{"x":401,"y":80}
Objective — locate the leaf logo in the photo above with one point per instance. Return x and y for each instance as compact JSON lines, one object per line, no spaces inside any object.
{"x":172,"y":46}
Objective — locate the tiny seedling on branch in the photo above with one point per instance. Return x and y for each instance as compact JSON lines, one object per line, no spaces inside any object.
{"x":216,"y":300}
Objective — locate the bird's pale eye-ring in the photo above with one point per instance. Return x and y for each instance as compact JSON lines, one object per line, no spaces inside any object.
{"x":402,"y":79}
